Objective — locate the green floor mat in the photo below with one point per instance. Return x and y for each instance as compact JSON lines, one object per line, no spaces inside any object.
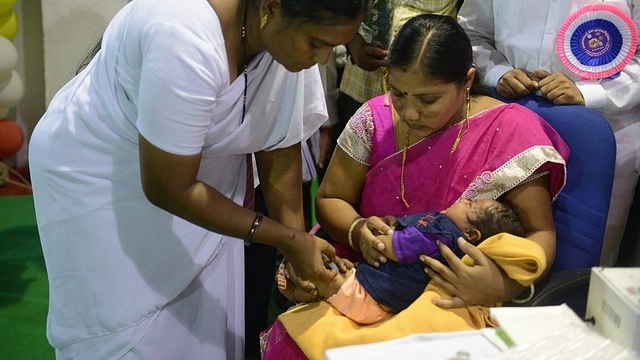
{"x":23,"y":283}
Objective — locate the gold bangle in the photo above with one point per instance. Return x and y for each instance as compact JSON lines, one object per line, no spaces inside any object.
{"x":532,"y":291}
{"x":254,"y":228}
{"x":350,"y":233}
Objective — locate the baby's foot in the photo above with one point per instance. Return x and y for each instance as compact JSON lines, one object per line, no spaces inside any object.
{"x":285,"y":286}
{"x":288,"y":288}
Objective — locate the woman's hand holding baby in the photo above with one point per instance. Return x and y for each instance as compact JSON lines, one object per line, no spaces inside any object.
{"x":371,"y":246}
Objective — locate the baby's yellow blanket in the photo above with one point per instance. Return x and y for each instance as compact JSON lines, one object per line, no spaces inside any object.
{"x":317,"y":326}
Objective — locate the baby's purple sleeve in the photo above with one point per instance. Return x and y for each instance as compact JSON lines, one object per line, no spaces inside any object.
{"x":410,"y":243}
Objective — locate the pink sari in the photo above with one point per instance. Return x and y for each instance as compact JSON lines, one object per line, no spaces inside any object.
{"x":486,"y":164}
{"x":504,"y":147}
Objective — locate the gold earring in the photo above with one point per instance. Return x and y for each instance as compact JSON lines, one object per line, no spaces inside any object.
{"x":467,"y":92}
{"x":263,"y":20}
{"x":464,"y":124}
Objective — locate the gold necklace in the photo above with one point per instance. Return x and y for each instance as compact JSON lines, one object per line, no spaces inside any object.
{"x":404,"y":160}
{"x":464,"y":126}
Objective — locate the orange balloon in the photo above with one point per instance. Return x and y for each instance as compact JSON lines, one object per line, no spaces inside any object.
{"x":11,"y":138}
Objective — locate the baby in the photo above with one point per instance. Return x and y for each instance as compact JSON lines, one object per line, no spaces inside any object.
{"x":371,"y":294}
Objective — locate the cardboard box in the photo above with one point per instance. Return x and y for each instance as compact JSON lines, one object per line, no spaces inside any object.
{"x":614,"y":304}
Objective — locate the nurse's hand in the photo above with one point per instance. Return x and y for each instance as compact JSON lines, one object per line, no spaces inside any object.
{"x":305,"y":285}
{"x":482,"y":283}
{"x":307,"y":261}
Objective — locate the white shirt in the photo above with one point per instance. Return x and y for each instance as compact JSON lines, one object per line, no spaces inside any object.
{"x":508,"y":34}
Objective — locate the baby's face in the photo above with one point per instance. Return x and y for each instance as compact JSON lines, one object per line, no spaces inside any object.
{"x":463,"y":210}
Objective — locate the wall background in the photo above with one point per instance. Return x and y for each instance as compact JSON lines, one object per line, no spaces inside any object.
{"x":53,"y":38}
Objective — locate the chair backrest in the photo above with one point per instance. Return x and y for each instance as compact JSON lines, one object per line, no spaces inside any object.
{"x":580,"y":210}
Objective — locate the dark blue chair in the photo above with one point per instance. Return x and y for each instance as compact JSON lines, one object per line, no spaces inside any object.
{"x":580,"y":210}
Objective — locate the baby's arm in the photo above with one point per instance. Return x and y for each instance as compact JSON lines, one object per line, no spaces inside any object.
{"x":409,"y":243}
{"x":406,"y":245}
{"x":297,"y":294}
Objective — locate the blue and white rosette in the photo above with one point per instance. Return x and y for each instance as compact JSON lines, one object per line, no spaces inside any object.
{"x":597,"y":41}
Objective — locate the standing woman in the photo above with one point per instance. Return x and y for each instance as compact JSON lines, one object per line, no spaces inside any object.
{"x":140,"y":165}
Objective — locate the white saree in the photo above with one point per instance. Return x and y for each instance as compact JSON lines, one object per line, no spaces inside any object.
{"x":128,"y":279}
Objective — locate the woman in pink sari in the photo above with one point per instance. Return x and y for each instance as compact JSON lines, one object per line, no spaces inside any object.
{"x":434,"y":139}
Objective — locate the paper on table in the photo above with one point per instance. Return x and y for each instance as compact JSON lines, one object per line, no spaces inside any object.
{"x":541,"y":333}
{"x":554,"y":332}
{"x":570,"y":343}
{"x":528,"y":325}
{"x":476,"y":344}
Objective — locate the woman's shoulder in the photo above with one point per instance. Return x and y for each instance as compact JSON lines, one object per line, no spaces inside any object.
{"x":483,"y":104}
{"x":375,"y":114}
{"x":186,"y":21}
{"x":361,"y":122}
{"x":488,"y":105}
{"x":378,"y":101}
{"x":377,"y":109}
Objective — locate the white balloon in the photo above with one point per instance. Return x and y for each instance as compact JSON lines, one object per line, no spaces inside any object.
{"x":8,"y":57}
{"x":12,"y":93}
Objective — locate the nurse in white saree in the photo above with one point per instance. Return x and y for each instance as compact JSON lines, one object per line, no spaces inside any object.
{"x":139,"y":171}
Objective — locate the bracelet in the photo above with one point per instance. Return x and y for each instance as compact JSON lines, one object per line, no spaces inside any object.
{"x":532,"y":291}
{"x":254,"y":228}
{"x":350,"y":233}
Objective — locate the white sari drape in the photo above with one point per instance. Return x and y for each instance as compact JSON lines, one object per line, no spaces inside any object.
{"x":127,"y":278}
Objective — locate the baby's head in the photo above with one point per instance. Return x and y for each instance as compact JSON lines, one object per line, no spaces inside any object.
{"x":484,"y":218}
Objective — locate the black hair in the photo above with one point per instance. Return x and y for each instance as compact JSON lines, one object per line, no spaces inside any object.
{"x":497,"y":219}
{"x":323,"y":11}
{"x":92,"y":53}
{"x":319,"y":11}
{"x":438,"y":47}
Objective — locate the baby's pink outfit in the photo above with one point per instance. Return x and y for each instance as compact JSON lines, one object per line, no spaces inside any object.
{"x":354,"y":302}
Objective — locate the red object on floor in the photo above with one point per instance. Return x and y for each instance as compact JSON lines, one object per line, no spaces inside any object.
{"x":11,"y":138}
